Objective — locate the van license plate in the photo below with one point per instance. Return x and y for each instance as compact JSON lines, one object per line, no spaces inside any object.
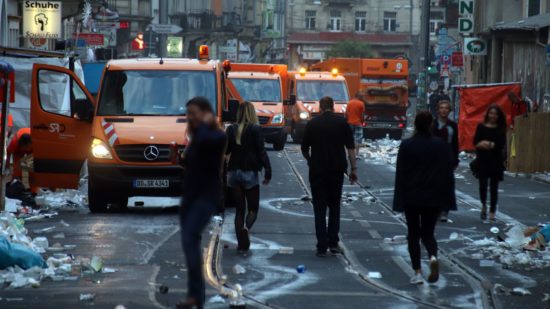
{"x":151,"y":183}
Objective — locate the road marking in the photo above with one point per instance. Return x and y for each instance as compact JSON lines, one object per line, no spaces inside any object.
{"x":365,"y":223}
{"x":153,"y":288}
{"x":149,"y":253}
{"x":356,"y":214}
{"x":374,"y":234}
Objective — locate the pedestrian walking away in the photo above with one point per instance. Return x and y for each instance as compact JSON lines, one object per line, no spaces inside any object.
{"x":490,"y":144}
{"x":447,"y":130}
{"x":202,"y":185}
{"x":247,"y":157}
{"x":355,"y":114}
{"x":324,"y":145}
{"x":424,"y":187}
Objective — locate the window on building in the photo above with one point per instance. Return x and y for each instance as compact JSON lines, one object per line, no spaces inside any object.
{"x":533,"y":8}
{"x":335,"y":20}
{"x":390,"y":21}
{"x":310,"y":19}
{"x":437,"y":18}
{"x":360,"y":21}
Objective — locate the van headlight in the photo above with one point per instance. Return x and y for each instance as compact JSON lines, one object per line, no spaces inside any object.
{"x":277,"y":119}
{"x":100,"y":150}
{"x":304,"y":115}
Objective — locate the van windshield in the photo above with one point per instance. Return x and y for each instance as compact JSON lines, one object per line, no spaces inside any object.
{"x":314,"y":90}
{"x":153,"y":93}
{"x":258,"y":90}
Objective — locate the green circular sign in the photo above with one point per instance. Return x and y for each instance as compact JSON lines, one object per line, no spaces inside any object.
{"x":476,"y":46}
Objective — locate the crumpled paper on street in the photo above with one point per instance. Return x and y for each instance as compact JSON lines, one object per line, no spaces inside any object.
{"x":64,"y":198}
{"x":383,"y":151}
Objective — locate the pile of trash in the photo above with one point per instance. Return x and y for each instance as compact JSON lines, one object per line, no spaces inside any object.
{"x":64,"y":198}
{"x":349,"y":197}
{"x":381,"y":150}
{"x":511,"y":250}
{"x":21,"y":261}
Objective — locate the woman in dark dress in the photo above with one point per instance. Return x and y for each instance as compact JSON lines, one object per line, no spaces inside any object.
{"x":202,"y":185}
{"x":247,"y":157}
{"x":490,"y":143}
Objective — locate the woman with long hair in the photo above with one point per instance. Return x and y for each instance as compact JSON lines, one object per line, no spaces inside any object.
{"x":490,"y":143}
{"x":202,"y":185}
{"x":424,"y":187}
{"x":247,"y":157}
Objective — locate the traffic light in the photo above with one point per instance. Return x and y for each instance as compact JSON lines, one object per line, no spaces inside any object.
{"x":138,"y":43}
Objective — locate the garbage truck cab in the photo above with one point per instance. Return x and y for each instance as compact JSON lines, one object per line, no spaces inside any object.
{"x":264,"y":85}
{"x":128,"y":135}
{"x":305,"y":90}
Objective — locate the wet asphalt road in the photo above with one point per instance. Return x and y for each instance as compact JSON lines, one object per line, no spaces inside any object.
{"x":143,"y":245}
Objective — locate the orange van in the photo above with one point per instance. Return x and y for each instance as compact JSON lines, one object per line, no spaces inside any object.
{"x":305,"y":91}
{"x":126,"y":134}
{"x":264,"y":85}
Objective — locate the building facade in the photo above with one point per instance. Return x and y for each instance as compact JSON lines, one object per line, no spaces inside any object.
{"x":517,"y":34}
{"x":313,"y":26}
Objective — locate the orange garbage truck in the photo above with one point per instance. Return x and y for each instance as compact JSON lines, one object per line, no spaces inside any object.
{"x":384,"y":85}
{"x":265,"y":86}
{"x":306,"y":90}
{"x":129,"y":134}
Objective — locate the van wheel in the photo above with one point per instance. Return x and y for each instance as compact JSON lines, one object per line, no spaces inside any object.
{"x":97,"y":202}
{"x":279,"y":143}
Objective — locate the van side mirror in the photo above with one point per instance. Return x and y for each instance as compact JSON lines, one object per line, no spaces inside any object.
{"x":291,"y":100}
{"x":83,"y":110}
{"x":230,"y":115}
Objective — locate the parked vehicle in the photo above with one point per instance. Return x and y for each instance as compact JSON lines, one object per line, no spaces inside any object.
{"x":384,"y":85}
{"x":305,"y":91}
{"x":265,"y":86}
{"x":127,"y":134}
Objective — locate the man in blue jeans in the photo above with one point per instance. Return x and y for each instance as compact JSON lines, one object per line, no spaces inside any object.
{"x":324,"y":145}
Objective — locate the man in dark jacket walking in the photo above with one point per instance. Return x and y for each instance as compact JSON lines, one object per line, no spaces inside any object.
{"x":424,"y":187}
{"x":447,"y":130}
{"x":324,"y":145}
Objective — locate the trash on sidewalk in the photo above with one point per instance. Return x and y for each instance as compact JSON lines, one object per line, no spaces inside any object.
{"x":96,"y":263}
{"x":494,"y":230}
{"x":286,"y":250}
{"x":397,"y":239}
{"x":520,"y":291}
{"x":383,"y":151}
{"x":453,"y":236}
{"x":12,"y":254}
{"x":374,"y":275}
{"x":238,"y":270}
{"x":216,"y":300}
{"x":301,"y":269}
{"x":64,"y":198}
{"x":87,"y":297}
{"x":546,"y":298}
{"x":501,"y":289}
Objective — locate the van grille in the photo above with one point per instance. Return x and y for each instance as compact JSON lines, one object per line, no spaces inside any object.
{"x":263,"y":119}
{"x":136,"y":153}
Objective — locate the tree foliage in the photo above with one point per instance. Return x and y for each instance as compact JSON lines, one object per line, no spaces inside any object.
{"x":350,"y":49}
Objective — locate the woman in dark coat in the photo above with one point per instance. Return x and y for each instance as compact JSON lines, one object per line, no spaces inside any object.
{"x":490,"y":143}
{"x":424,"y":186}
{"x":247,"y":157}
{"x":202,"y":184}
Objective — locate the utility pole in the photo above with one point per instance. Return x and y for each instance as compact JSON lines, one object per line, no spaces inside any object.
{"x":425,"y":53}
{"x":163,"y":19}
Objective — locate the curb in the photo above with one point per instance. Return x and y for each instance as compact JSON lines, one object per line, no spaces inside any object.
{"x":538,"y":178}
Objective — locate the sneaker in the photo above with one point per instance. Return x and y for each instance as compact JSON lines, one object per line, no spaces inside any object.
{"x":417,"y":279}
{"x":434,"y":270}
{"x":335,"y":250}
{"x":321,"y":253}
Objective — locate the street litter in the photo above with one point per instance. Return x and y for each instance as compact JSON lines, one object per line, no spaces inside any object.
{"x":286,"y":250}
{"x":453,"y":236}
{"x":397,"y":239}
{"x":238,"y":269}
{"x":486,"y":263}
{"x":301,"y":269}
{"x":107,"y":270}
{"x":63,"y":198}
{"x":216,"y":300}
{"x":494,"y":230}
{"x":87,"y":297}
{"x":12,"y":254}
{"x":163,"y":289}
{"x":501,"y":289}
{"x":520,"y":291}
{"x":546,"y":297}
{"x":96,"y":263}
{"x":381,"y":151}
{"x":374,"y":275}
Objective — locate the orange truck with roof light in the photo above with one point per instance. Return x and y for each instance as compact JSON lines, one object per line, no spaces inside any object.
{"x":384,"y":86}
{"x":305,"y":91}
{"x":127,"y":135}
{"x":265,"y":86}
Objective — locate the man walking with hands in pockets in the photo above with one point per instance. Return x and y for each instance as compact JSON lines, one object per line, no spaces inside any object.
{"x":326,"y":139}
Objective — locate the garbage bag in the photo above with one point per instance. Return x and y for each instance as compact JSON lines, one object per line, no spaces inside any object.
{"x":16,"y":190}
{"x":12,"y":254}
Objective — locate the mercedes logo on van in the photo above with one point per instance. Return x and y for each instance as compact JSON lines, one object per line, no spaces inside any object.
{"x":151,"y":153}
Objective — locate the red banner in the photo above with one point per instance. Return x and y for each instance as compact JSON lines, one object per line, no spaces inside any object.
{"x":474,"y":102}
{"x":457,"y":59}
{"x":94,"y":39}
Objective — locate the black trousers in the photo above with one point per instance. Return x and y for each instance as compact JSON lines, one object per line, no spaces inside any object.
{"x":493,"y":184}
{"x":326,"y":190}
{"x":421,"y":225}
